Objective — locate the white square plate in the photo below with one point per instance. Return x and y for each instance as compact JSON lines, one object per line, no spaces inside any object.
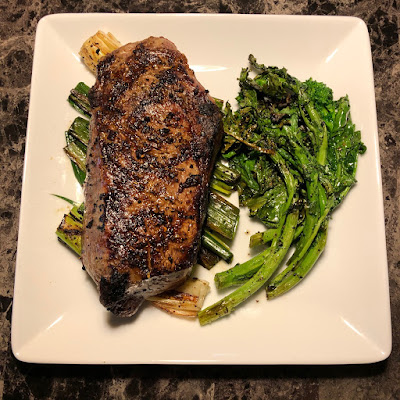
{"x":340,"y":314}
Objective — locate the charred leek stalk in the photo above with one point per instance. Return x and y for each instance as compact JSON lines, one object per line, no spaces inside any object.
{"x":224,"y":179}
{"x":184,"y":301}
{"x":69,"y":231}
{"x":98,"y":46}
{"x":207,"y":258}
{"x":78,"y":99}
{"x":80,"y":174}
{"x":76,"y":153}
{"x":80,"y":130}
{"x":222,"y":216}
{"x":213,"y":243}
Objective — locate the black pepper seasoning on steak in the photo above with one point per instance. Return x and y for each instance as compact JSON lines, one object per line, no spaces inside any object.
{"x":155,"y":133}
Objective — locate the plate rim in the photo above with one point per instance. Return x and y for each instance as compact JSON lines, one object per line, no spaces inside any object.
{"x":41,"y":26}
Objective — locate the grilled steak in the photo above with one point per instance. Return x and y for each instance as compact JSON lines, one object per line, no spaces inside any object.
{"x":154,"y":136}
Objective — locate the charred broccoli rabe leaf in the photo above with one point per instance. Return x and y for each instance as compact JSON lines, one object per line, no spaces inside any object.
{"x":296,"y":149}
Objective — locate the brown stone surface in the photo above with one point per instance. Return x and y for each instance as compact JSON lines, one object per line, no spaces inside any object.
{"x":18,"y":20}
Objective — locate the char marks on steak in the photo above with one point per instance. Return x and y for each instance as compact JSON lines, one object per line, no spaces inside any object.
{"x":155,"y":133}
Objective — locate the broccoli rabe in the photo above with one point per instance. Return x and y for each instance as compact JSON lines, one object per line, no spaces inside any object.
{"x":296,"y":149}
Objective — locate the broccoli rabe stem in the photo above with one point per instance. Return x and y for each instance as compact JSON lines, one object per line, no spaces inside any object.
{"x":240,"y":273}
{"x":228,"y":304}
{"x":289,"y":179}
{"x":308,"y":240}
{"x":291,"y":276}
{"x":262,"y":237}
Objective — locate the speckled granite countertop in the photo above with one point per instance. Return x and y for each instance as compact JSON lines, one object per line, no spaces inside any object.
{"x":18,"y":22}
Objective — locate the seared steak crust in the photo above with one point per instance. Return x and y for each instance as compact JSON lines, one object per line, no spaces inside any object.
{"x":155,"y":132}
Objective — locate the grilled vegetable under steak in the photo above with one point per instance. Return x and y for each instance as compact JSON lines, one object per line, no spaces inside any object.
{"x":155,"y":133}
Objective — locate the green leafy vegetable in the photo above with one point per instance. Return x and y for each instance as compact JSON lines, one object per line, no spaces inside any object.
{"x":296,"y":149}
